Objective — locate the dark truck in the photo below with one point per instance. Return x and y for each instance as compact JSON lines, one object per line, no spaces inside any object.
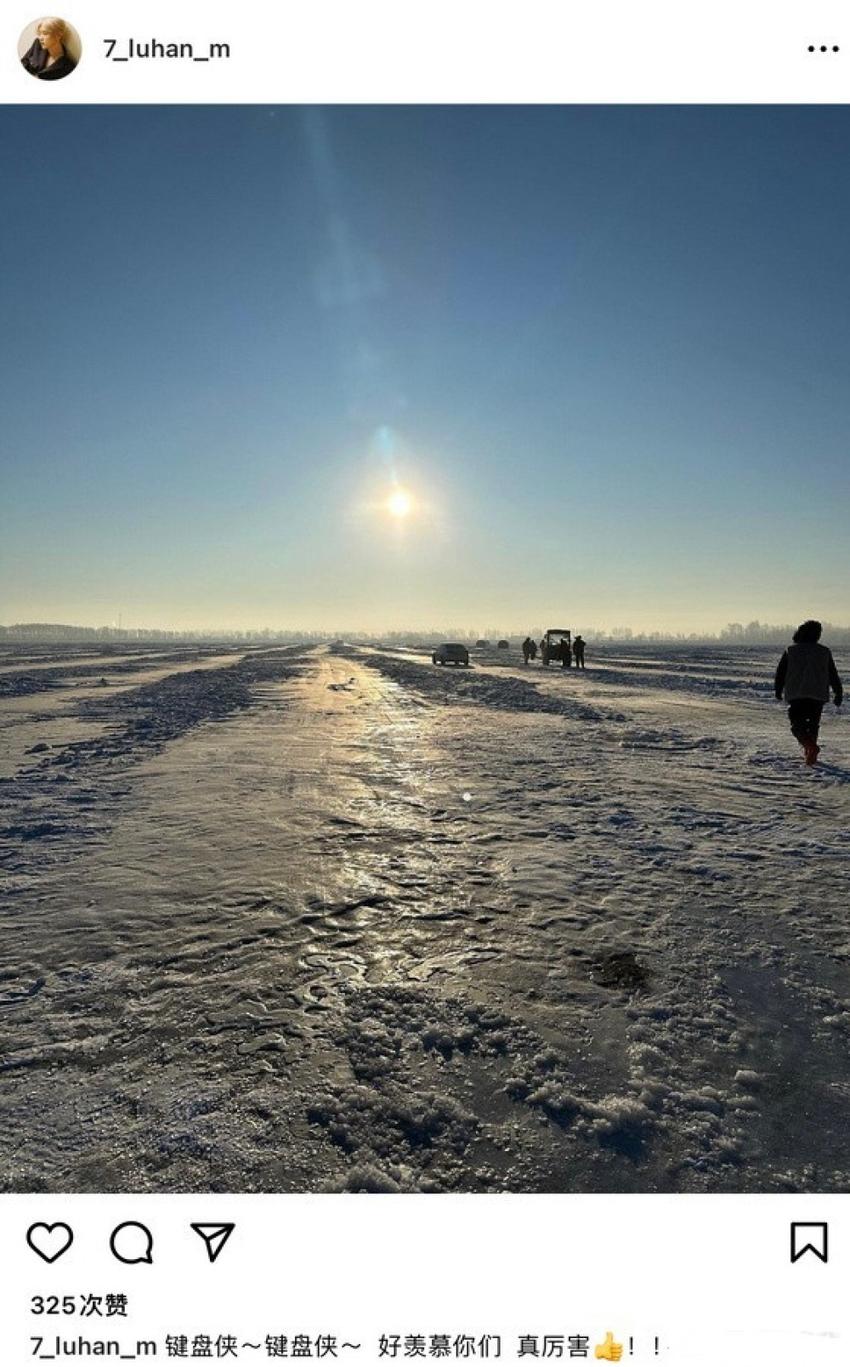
{"x":551,"y":648}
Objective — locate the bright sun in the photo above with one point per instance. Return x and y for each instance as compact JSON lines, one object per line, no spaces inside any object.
{"x":399,"y":504}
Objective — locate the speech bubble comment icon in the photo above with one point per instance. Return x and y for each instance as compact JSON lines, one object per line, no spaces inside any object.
{"x":132,"y":1242}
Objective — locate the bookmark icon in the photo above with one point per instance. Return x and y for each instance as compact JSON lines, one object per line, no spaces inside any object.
{"x":811,"y":1236}
{"x":214,"y":1237}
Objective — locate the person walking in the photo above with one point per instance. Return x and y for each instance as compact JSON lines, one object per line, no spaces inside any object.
{"x":578,"y":652}
{"x":532,"y":647}
{"x":566,"y":653}
{"x":526,"y":650}
{"x":804,"y":676}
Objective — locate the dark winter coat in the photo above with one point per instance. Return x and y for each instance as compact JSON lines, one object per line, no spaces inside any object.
{"x":807,"y":670}
{"x":35,"y":61}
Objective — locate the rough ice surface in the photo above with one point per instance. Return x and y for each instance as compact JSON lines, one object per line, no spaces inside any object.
{"x":305,"y":920}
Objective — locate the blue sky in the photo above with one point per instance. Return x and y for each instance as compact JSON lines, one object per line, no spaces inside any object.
{"x":605,"y":350}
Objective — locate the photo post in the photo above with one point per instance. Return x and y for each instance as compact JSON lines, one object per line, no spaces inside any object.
{"x":424,"y":626}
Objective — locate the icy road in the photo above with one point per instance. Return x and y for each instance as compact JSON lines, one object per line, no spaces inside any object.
{"x":299,"y":920}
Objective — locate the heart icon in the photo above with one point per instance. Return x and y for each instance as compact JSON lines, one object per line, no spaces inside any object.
{"x":50,"y":1241}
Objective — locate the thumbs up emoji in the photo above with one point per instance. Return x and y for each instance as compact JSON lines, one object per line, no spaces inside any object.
{"x":609,"y":1351}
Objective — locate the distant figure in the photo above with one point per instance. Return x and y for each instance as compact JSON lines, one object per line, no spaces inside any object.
{"x":527,"y":647}
{"x":578,"y":651}
{"x":533,"y":650}
{"x":804,"y":677}
{"x":47,"y":58}
{"x":565,"y":653}
{"x":543,"y":659}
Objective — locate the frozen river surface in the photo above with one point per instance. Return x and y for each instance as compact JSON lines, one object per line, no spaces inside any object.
{"x":301,"y":920}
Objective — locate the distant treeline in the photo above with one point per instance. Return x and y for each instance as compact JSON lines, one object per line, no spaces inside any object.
{"x":50,"y":632}
{"x":736,"y":633}
{"x":759,"y":633}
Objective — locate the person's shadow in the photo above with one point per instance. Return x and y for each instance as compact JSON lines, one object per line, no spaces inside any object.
{"x":834,"y":771}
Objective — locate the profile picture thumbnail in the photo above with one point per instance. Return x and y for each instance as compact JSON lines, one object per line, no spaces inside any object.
{"x":49,"y":48}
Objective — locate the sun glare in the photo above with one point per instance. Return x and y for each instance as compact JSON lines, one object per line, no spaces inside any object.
{"x":399,"y":504}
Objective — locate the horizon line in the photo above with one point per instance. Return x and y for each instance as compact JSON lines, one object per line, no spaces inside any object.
{"x":731,"y":630}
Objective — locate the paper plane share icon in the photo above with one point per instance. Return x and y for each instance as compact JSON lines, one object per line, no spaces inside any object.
{"x":214,"y":1237}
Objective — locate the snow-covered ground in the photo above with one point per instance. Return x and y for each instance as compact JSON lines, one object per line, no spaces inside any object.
{"x":311,"y":920}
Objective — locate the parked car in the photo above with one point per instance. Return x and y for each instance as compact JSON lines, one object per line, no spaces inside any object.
{"x":503,"y":645}
{"x":482,"y":642}
{"x":552,"y":643}
{"x":451,"y":653}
